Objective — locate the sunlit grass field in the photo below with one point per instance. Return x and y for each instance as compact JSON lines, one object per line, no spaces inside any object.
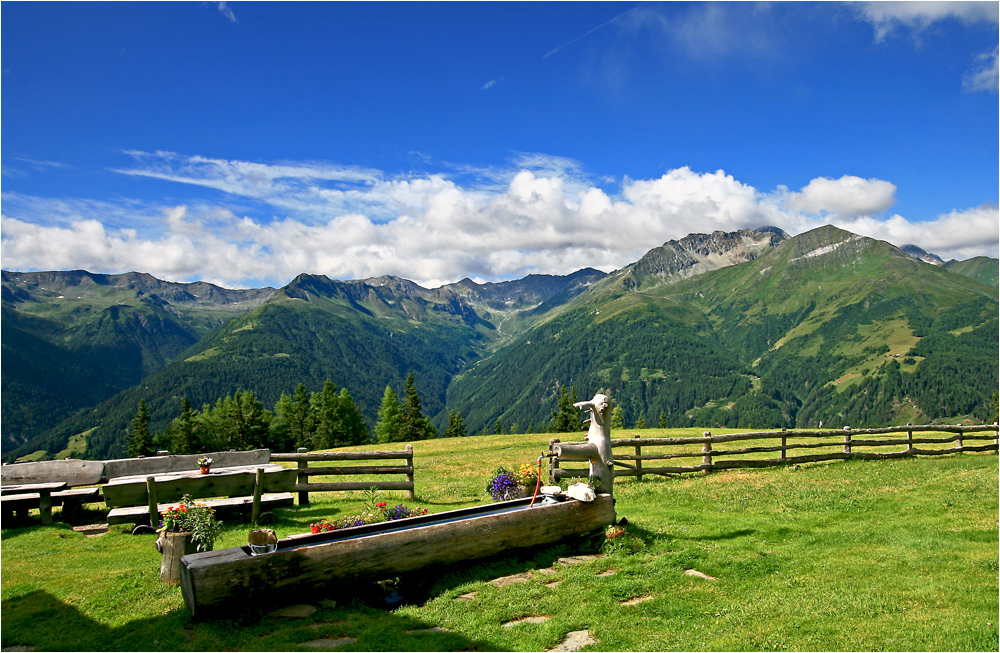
{"x":881,"y":555}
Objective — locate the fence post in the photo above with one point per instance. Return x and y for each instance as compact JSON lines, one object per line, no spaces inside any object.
{"x":638,"y":462}
{"x":909,"y":438}
{"x":847,"y":439}
{"x":553,"y":462}
{"x":302,"y":478}
{"x":959,"y":441}
{"x":706,"y":450}
{"x":154,"y":506}
{"x":258,"y":490}
{"x":784,"y":443}
{"x":410,"y":494}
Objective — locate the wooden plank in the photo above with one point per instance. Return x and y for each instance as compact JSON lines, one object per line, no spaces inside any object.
{"x":72,"y":472}
{"x":195,"y":473}
{"x":216,"y":484}
{"x":222,"y":582}
{"x":167,"y":464}
{"x":341,"y":455}
{"x":228,"y":505}
{"x":341,"y":487}
{"x":358,"y":469}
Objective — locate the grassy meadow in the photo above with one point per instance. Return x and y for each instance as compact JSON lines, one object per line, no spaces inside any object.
{"x":881,"y":555}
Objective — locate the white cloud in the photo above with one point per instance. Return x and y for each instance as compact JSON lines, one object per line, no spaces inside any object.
{"x":846,"y":197}
{"x":227,"y":12}
{"x":886,"y":17}
{"x":985,"y":75}
{"x":544,"y":216}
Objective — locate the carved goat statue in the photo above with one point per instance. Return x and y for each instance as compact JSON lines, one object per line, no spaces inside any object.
{"x":597,"y":449}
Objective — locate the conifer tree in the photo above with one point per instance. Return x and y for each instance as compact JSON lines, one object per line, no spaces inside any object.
{"x":138,"y":440}
{"x":662,"y":423}
{"x":244,"y":422}
{"x":617,"y":418}
{"x":351,"y":425}
{"x":183,"y":432}
{"x":640,"y":423}
{"x":389,"y":415}
{"x":456,"y":425}
{"x":566,"y":418}
{"x":324,"y":410}
{"x":412,"y":423}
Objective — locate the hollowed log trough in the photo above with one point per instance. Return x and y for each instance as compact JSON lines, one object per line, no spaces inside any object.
{"x":225,"y":582}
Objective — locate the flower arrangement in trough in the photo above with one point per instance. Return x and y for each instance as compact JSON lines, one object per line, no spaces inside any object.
{"x":505,"y":485}
{"x":377,"y":511}
{"x":191,"y":517}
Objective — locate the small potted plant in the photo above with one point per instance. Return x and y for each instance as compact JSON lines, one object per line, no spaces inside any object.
{"x":205,"y":463}
{"x":186,"y":528}
{"x":503,"y":485}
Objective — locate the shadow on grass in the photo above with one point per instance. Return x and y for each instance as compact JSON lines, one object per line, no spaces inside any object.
{"x":39,"y":620}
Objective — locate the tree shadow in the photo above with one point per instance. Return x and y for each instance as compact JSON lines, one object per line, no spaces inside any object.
{"x":40,"y":621}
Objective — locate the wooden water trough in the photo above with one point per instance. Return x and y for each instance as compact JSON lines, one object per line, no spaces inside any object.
{"x":230,"y":581}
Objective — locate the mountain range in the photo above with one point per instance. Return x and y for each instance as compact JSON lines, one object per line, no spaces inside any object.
{"x":751,"y":328}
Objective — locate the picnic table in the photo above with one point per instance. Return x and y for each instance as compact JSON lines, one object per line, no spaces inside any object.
{"x":30,"y":495}
{"x":135,"y":499}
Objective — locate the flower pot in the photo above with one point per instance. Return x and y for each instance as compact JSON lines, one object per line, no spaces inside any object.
{"x":205,"y":469}
{"x":173,"y":546}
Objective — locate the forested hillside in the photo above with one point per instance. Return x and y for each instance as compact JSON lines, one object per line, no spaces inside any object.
{"x":749,"y":329}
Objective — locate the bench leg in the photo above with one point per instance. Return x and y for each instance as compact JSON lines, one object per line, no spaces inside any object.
{"x":45,"y":508}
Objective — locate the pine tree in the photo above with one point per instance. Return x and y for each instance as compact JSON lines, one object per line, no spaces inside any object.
{"x":324,"y":411}
{"x":351,"y":425}
{"x":389,"y":415}
{"x":183,"y":432}
{"x":617,"y":418}
{"x":662,"y":423}
{"x":138,"y":440}
{"x":566,"y":418}
{"x":640,"y":423}
{"x":456,"y":426}
{"x":412,"y":423}
{"x":244,"y":422}
{"x":498,"y":429}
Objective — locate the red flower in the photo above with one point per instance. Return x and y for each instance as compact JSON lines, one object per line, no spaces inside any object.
{"x":380,"y":505}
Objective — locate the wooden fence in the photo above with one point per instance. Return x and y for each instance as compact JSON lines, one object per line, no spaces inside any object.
{"x":849,"y":443}
{"x":304,"y":486}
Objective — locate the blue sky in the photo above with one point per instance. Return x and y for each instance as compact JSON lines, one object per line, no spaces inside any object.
{"x":244,"y":143}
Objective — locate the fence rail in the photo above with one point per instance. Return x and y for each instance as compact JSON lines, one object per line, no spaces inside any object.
{"x":846,"y":445}
{"x":304,"y":486}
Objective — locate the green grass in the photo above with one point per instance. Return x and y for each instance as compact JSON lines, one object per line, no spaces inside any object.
{"x":886,"y":555}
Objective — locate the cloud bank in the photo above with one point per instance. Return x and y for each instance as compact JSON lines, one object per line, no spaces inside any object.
{"x":540,"y":215}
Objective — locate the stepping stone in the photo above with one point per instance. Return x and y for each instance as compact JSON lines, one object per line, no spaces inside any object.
{"x":605,"y":574}
{"x":18,"y":647}
{"x":523,"y":577}
{"x":435,"y":629}
{"x":527,"y":620}
{"x":548,"y":571}
{"x":91,"y":530}
{"x":575,"y":641}
{"x":300,"y":611}
{"x":328,"y":643}
{"x":466,"y":597}
{"x":554,"y":585}
{"x":637,"y":601}
{"x":328,"y":603}
{"x":575,"y":560}
{"x":698,"y":574}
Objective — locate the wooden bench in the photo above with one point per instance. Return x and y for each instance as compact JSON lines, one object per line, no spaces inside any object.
{"x":82,"y":477}
{"x":32,"y":495}
{"x":79,"y":479}
{"x":249,"y":489}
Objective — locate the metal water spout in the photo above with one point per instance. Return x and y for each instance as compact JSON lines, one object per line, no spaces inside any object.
{"x":597,"y":448}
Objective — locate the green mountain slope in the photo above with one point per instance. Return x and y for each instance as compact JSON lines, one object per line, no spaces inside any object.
{"x":825,"y":327}
{"x":72,"y":339}
{"x":749,"y":329}
{"x":362,"y":335}
{"x":981,"y":268}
